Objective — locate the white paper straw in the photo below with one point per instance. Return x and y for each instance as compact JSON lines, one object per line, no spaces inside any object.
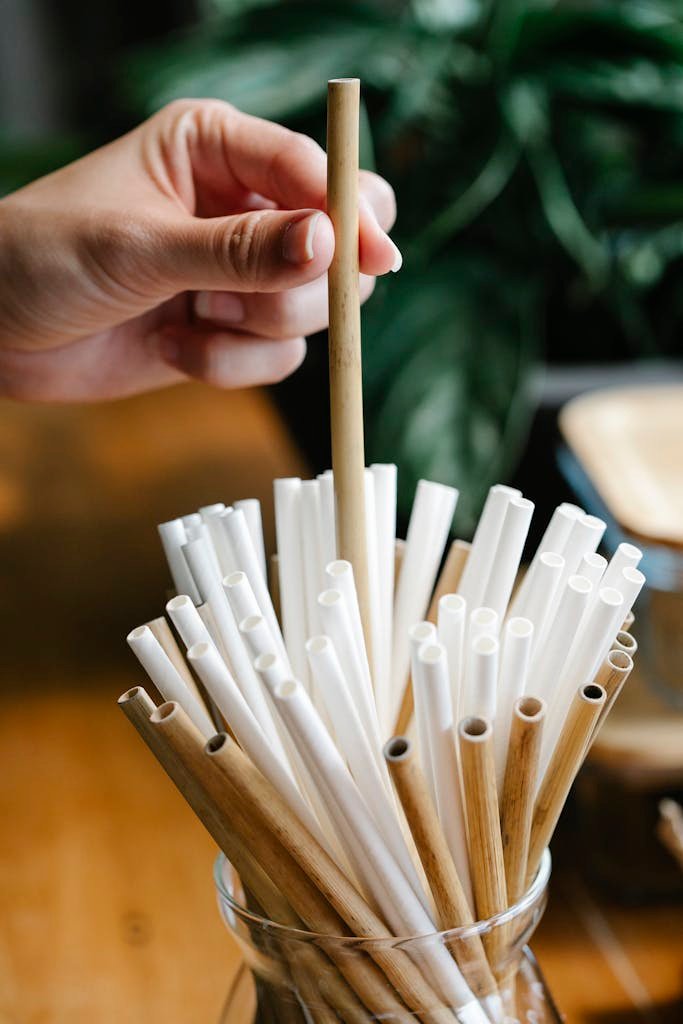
{"x":207,"y":511}
{"x":257,"y":636}
{"x":626,"y":555}
{"x":382,"y":875}
{"x":428,"y":529}
{"x":311,"y":549}
{"x":432,"y":691}
{"x":539,"y":594}
{"x":354,"y":747}
{"x":549,"y":657}
{"x":451,"y":630}
{"x":483,"y":622}
{"x":251,"y":508}
{"x":238,"y":659}
{"x":187,"y":621}
{"x":240,"y":595}
{"x":480,"y":559}
{"x":328,"y":530}
{"x":631,"y":582}
{"x":508,"y":554}
{"x":480,"y":697}
{"x":166,"y":677}
{"x":192,"y":522}
{"x":587,"y":652}
{"x":385,"y":477}
{"x":419,"y":634}
{"x":339,"y":576}
{"x":553,"y":540}
{"x":269,"y":760}
{"x":514,"y":669}
{"x":336,"y":621}
{"x":246,"y":559}
{"x":212,"y":518}
{"x":592,"y":566}
{"x":374,"y":589}
{"x":173,"y":535}
{"x":584,"y":537}
{"x":290,"y":566}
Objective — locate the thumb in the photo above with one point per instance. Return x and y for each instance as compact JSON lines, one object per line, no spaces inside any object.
{"x":262,"y":250}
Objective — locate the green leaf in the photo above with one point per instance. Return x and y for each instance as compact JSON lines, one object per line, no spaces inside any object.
{"x":451,"y":400}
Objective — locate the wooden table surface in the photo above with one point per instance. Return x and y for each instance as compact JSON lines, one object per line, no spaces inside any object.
{"x":106,"y":907}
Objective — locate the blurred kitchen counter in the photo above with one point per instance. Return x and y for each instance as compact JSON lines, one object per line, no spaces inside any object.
{"x":107,"y":913}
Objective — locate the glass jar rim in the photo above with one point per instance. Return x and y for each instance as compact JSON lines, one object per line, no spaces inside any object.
{"x":525,"y":903}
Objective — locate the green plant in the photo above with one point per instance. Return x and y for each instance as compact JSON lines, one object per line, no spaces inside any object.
{"x":536,"y":149}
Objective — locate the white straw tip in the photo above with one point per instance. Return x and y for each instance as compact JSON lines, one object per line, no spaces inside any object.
{"x":552,"y":560}
{"x":611,"y":596}
{"x":235,"y":579}
{"x":431,"y":654}
{"x":338,"y":568}
{"x":176,"y":603}
{"x":287,"y":689}
{"x":199,"y":650}
{"x":264,"y":662}
{"x":484,"y":617}
{"x":453,"y":603}
{"x":318,"y":644}
{"x":250,"y":623}
{"x":592,"y":522}
{"x":633,"y":575}
{"x":520,"y":627}
{"x":328,"y":598}
{"x":421,"y":632}
{"x":580,"y":584}
{"x":137,"y":634}
{"x":485,"y":645}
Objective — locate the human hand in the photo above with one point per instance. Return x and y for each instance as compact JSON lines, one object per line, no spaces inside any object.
{"x":194,"y":246}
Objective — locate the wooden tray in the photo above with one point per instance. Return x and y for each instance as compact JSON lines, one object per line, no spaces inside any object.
{"x":630,"y":443}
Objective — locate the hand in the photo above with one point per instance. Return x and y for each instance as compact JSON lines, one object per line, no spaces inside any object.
{"x":194,"y":246}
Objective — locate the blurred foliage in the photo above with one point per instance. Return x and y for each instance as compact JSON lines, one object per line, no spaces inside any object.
{"x":23,"y":160}
{"x":536,"y":149}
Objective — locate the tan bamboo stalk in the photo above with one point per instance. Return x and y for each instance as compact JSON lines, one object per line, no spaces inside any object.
{"x":270,"y":815}
{"x":627,"y":624}
{"x":562,"y":770}
{"x":274,"y":585}
{"x":449,"y":577}
{"x":484,"y":842}
{"x":519,"y":790}
{"x":138,"y":707}
{"x":453,"y":910}
{"x":261,"y":828}
{"x":346,"y":385}
{"x":612,"y":675}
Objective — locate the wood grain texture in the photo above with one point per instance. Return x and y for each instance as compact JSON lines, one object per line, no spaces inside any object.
{"x":346,"y":376}
{"x":519,"y":791}
{"x":451,"y":903}
{"x":564,"y":764}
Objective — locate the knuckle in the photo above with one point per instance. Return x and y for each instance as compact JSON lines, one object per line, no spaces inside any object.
{"x":118,"y":249}
{"x":242,"y":250}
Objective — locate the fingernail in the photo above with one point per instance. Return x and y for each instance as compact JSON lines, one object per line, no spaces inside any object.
{"x":398,"y":259}
{"x":297,"y":243}
{"x":223,"y":307}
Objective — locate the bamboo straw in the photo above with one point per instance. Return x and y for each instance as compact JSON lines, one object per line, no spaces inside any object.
{"x":453,"y":909}
{"x":485,"y":845}
{"x":612,"y":675}
{"x":175,"y":741}
{"x":269,"y":818}
{"x":346,"y":385}
{"x":625,"y":642}
{"x":627,"y":624}
{"x":519,"y":790}
{"x":564,"y":764}
{"x":162,"y":632}
{"x":138,"y":707}
{"x":450,"y":575}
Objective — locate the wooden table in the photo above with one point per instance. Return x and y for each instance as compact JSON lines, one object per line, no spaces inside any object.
{"x":107,"y":914}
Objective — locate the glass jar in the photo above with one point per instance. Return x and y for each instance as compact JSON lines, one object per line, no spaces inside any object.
{"x":295,"y":977}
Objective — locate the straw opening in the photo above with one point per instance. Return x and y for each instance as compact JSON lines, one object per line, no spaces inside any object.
{"x":397,"y":749}
{"x":620,"y":659}
{"x":264,"y":661}
{"x":593,"y":692}
{"x":181,"y":601}
{"x":216,"y":743}
{"x":164,"y":711}
{"x":530,"y":708}
{"x":475,"y":728}
{"x":234,"y":579}
{"x":135,"y":691}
